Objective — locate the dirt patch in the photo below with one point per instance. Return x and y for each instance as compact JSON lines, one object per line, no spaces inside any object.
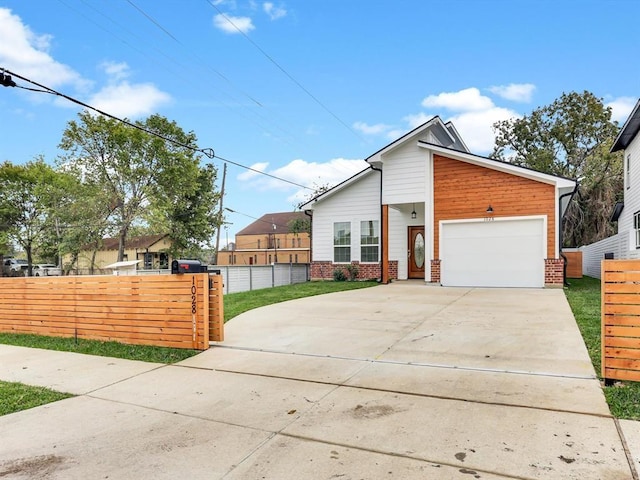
{"x":35,"y":467}
{"x":374,"y":411}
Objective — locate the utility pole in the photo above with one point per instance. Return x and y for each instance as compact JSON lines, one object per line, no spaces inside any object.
{"x":224,"y":177}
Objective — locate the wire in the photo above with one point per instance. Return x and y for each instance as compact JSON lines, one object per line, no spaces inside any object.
{"x":263,"y":173}
{"x":209,"y":152}
{"x":281,"y":68}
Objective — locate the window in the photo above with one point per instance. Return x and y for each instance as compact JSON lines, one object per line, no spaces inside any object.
{"x":341,"y":242}
{"x":636,"y":226}
{"x":296,"y":258}
{"x":290,"y":258}
{"x":277,"y":243}
{"x":369,"y":241}
{"x":629,"y":171}
{"x":299,"y":242}
{"x":255,"y":259}
{"x":258,"y":243}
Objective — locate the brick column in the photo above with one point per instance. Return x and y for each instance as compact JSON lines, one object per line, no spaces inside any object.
{"x":435,"y":271}
{"x":553,"y":272}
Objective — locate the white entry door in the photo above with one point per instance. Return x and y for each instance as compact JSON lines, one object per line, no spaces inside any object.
{"x":496,"y":253}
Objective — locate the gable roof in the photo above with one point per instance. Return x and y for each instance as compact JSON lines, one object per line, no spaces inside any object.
{"x":271,"y":223}
{"x":629,"y":130}
{"x":447,"y":131}
{"x":143,"y":241}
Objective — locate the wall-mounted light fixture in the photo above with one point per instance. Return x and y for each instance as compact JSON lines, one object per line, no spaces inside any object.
{"x":413,"y":212}
{"x":489,"y":209}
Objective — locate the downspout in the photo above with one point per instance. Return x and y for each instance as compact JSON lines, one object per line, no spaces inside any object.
{"x":381,"y":214}
{"x":560,"y":239}
{"x":309,"y":213}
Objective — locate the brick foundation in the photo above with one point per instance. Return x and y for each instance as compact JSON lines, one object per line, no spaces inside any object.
{"x":366,"y":271}
{"x":553,"y":271}
{"x":435,"y":271}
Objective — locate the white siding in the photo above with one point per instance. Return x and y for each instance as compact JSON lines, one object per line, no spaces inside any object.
{"x":360,"y":201}
{"x":404,"y":174}
{"x":592,"y":255}
{"x":631,"y":194}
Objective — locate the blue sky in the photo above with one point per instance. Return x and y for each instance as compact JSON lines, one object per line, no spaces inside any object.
{"x":306,"y":89}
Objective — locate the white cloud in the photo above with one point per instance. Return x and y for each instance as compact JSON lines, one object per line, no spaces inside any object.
{"x":311,"y":174}
{"x":475,"y":127}
{"x":376,"y":129}
{"x":129,"y":100}
{"x":27,"y":54}
{"x":462,"y":101}
{"x":249,"y":174}
{"x":517,"y":92}
{"x":474,"y":117}
{"x":621,"y":108}
{"x":115,"y":70}
{"x":230,"y":24}
{"x":274,"y":12}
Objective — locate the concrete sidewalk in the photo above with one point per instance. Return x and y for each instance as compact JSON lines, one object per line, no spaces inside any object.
{"x":397,"y":381}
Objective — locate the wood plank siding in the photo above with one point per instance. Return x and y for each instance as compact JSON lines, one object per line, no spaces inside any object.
{"x":464,"y":191}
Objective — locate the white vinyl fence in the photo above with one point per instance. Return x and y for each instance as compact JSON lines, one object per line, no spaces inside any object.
{"x":243,"y":278}
{"x":592,"y":255}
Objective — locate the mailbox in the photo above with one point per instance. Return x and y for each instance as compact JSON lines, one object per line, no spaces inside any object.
{"x":187,"y":266}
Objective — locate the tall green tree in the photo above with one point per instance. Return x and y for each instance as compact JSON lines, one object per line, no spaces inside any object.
{"x":146,"y":179}
{"x":30,"y":194}
{"x":571,"y":137}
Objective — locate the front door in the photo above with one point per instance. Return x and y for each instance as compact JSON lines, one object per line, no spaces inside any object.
{"x":416,"y":252}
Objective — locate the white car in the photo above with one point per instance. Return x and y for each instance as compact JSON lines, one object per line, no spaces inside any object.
{"x":46,"y":270}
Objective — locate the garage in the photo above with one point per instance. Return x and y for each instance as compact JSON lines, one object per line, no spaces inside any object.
{"x":495,"y":252}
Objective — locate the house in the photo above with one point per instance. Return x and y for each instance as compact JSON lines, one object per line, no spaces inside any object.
{"x":427,"y":208}
{"x":270,"y":239}
{"x":626,"y":243}
{"x":150,"y":250}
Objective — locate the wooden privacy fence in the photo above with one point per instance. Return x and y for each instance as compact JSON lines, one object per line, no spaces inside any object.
{"x":620,"y":290}
{"x":183,"y":311}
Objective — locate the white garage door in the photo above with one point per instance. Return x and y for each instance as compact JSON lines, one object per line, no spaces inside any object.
{"x":498,"y":253}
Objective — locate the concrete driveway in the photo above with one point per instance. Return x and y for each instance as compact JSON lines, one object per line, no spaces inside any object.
{"x":399,"y":381}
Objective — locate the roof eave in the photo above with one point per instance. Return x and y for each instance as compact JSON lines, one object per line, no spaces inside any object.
{"x":628,"y":131}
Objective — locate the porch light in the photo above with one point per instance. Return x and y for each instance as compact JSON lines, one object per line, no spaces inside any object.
{"x":413,"y":212}
{"x":489,"y":209}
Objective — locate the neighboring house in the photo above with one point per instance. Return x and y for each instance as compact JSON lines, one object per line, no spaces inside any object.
{"x":269,"y":240}
{"x":626,"y":243}
{"x":150,"y":250}
{"x":428,"y":209}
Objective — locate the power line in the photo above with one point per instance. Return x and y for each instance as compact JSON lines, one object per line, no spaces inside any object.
{"x":7,"y":81}
{"x":282,"y":69}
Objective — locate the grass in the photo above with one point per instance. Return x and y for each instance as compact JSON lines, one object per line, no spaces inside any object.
{"x":584,"y":297}
{"x":237,"y":303}
{"x":16,"y":397}
{"x":143,"y":353}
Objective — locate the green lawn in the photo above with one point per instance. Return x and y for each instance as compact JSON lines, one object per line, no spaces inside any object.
{"x":16,"y":397}
{"x":584,"y":297}
{"x":237,"y":303}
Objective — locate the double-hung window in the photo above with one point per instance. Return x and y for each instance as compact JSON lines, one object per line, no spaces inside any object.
{"x":369,"y":241}
{"x":342,"y":242}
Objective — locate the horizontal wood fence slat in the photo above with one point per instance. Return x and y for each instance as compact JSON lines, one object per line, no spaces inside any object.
{"x":620,"y":319}
{"x":183,"y":311}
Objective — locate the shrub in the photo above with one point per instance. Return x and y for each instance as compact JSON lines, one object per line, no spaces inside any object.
{"x":339,"y":275}
{"x":353,"y":271}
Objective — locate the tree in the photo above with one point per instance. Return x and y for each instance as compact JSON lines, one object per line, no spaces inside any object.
{"x":571,"y":138}
{"x":30,"y":193}
{"x":146,"y":179}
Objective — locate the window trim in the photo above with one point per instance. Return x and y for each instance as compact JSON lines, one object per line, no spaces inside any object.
{"x":365,"y":225}
{"x":342,"y":246}
{"x":636,"y":227}
{"x":628,"y":170}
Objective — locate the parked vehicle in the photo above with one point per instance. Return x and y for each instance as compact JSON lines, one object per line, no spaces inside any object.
{"x":46,"y":270}
{"x":15,"y":267}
